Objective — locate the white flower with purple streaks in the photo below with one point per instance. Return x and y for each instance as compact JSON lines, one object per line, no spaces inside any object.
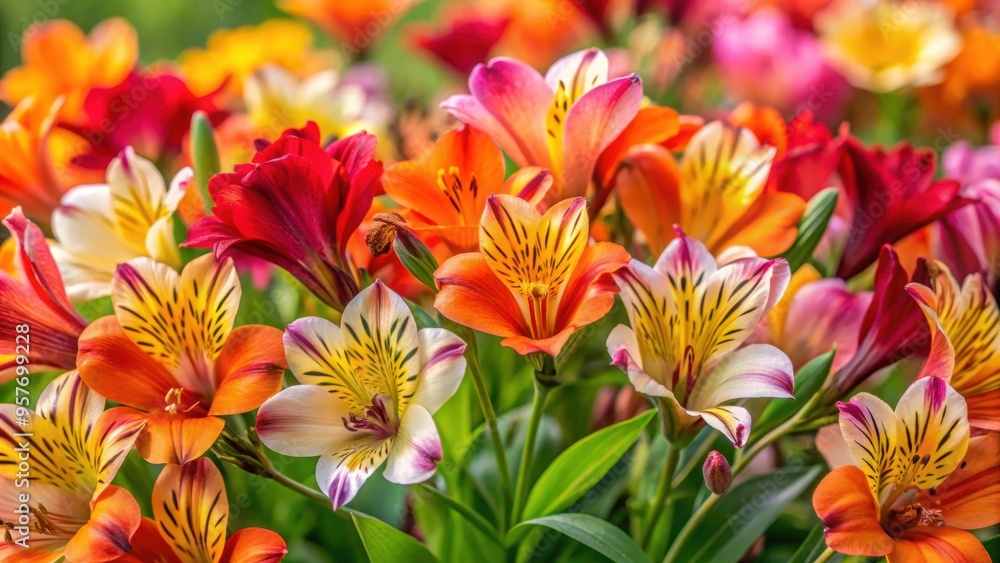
{"x":369,"y":388}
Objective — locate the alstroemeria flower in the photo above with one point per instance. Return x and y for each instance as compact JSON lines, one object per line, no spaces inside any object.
{"x":60,"y":61}
{"x":534,"y":281}
{"x":369,"y":388}
{"x":98,"y":227}
{"x":965,"y":340}
{"x":465,"y":41}
{"x":27,"y":177}
{"x":717,"y":194}
{"x":867,"y":508}
{"x":885,"y":45}
{"x":33,"y":294}
{"x":689,"y":320}
{"x":350,"y":23}
{"x":969,"y":239}
{"x":443,"y":194}
{"x":190,"y":513}
{"x":171,"y":354}
{"x":75,"y":451}
{"x":296,"y":206}
{"x":560,"y":122}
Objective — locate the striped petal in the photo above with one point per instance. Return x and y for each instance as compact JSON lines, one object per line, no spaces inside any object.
{"x":647,"y":299}
{"x":249,"y":369}
{"x":303,"y":420}
{"x":868,"y":425}
{"x":932,"y":433}
{"x":191,"y":510}
{"x":733,"y":422}
{"x":624,"y":348}
{"x":254,"y":545}
{"x":757,"y":370}
{"x":850,"y":514}
{"x":442,"y":368}
{"x":114,"y":518}
{"x":470,"y":294}
{"x":171,"y":438}
{"x":138,"y":195}
{"x":345,"y":467}
{"x":416,"y":449}
{"x":970,"y":497}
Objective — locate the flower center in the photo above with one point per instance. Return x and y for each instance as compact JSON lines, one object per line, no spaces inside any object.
{"x":537,"y":294}
{"x":41,"y":523}
{"x":373,"y":418}
{"x":905,"y":517}
{"x":175,"y":401}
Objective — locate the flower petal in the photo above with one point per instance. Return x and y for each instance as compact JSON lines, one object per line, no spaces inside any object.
{"x":590,"y":291}
{"x":646,"y":295}
{"x":343,"y":469}
{"x":868,"y":425}
{"x":757,"y":370}
{"x":254,"y":545}
{"x":851,"y":516}
{"x":625,"y":355}
{"x":970,"y":497}
{"x":303,"y":420}
{"x":734,"y":422}
{"x":114,"y":518}
{"x":933,"y":418}
{"x":470,"y":294}
{"x":191,"y":509}
{"x":648,"y":187}
{"x":442,"y":368}
{"x":924,"y":543}
{"x":249,"y":369}
{"x":173,"y":439}
{"x":416,"y":449}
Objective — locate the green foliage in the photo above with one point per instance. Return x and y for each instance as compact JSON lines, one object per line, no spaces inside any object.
{"x":811,"y":228}
{"x":597,"y":534}
{"x":385,"y":543}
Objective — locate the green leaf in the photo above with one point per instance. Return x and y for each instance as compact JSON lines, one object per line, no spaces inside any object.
{"x":582,"y":465}
{"x":95,"y":308}
{"x":385,"y":543}
{"x":204,"y":154}
{"x":599,"y":535}
{"x":745,"y":513}
{"x":811,"y":228}
{"x":808,"y":381}
{"x":992,"y":546}
{"x":812,"y":546}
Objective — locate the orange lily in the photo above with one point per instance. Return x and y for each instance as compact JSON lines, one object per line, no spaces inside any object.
{"x":869,"y":509}
{"x":444,"y":193}
{"x":965,"y":340}
{"x":190,"y":510}
{"x":60,"y":61}
{"x":75,"y":450}
{"x":170,"y":353}
{"x":717,"y":194}
{"x":535,"y":281}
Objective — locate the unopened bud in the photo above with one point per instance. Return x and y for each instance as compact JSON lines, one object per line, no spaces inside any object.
{"x":718,"y":476}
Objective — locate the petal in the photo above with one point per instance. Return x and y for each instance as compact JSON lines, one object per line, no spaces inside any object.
{"x":984,"y":410}
{"x":191,"y":509}
{"x":530,"y":183}
{"x":149,"y":545}
{"x":970,"y":497}
{"x":249,"y":369}
{"x":868,"y":425}
{"x":416,"y":449}
{"x":733,"y":422}
{"x":302,"y":421}
{"x":590,"y":292}
{"x":625,"y":355}
{"x":851,"y":516}
{"x":254,"y":545}
{"x":442,"y":368}
{"x":831,"y":445}
{"x":946,"y":543}
{"x":343,"y":469}
{"x":688,"y":263}
{"x":137,"y":196}
{"x":648,"y":188}
{"x":114,"y":518}
{"x":651,"y":126}
{"x":471,"y":111}
{"x":757,"y":370}
{"x":823,"y":315}
{"x":933,"y":419}
{"x":769,"y":226}
{"x":471,"y":294}
{"x":312,"y":350}
{"x":172,"y":439}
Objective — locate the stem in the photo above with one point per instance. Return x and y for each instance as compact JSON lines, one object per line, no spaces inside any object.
{"x":465,"y":512}
{"x":490,"y":415}
{"x":696,"y":458}
{"x":527,"y":455}
{"x":825,"y":556}
{"x":660,"y":496}
{"x":690,"y":526}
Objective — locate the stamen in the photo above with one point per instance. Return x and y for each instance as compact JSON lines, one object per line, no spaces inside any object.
{"x":374,"y":418}
{"x":903,"y":518}
{"x":174,"y":399}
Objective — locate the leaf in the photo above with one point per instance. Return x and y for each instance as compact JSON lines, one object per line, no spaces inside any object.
{"x":812,"y":546}
{"x":582,"y":465}
{"x":811,"y":228}
{"x":992,"y":546}
{"x":745,"y":513}
{"x":95,"y":308}
{"x":205,"y":156}
{"x":599,"y":535}
{"x":808,"y":381}
{"x":385,"y":543}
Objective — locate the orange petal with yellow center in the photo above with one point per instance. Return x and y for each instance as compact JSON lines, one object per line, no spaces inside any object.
{"x":648,"y":185}
{"x":769,"y":226}
{"x":845,"y":505}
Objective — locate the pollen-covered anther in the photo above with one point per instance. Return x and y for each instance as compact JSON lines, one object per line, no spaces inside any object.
{"x":174,"y":401}
{"x":903,"y":518}
{"x":535,"y":290}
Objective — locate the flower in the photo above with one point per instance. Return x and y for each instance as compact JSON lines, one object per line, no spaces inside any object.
{"x":232,"y":55}
{"x":865,"y":506}
{"x":171,"y":355}
{"x":98,"y":227}
{"x":317,"y":197}
{"x":76,"y":448}
{"x":466,"y":42}
{"x":690,"y":318}
{"x":32,"y":294}
{"x":534,"y":281}
{"x":27,"y":178}
{"x":369,"y":388}
{"x":150,"y":111}
{"x":964,"y":324}
{"x":190,"y":510}
{"x":560,"y":122}
{"x":444,"y":192}
{"x":60,"y":61}
{"x":717,"y":194}
{"x":357,"y":25}
{"x":883,"y":45}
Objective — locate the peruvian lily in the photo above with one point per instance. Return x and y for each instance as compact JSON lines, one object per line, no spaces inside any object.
{"x":560,"y":122}
{"x":443,"y":194}
{"x":717,"y":194}
{"x":369,"y":388}
{"x":466,"y":40}
{"x":190,"y":510}
{"x":964,"y":324}
{"x":690,"y":318}
{"x":27,"y":178}
{"x":170,"y":353}
{"x":534,"y":281}
{"x":296,"y":206}
{"x":33,"y":295}
{"x":869,"y":507}
{"x":98,"y":227}
{"x":76,"y":448}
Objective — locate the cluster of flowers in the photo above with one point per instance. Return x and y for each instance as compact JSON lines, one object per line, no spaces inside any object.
{"x":774,"y":242}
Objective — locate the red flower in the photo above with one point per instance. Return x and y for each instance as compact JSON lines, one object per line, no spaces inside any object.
{"x":465,"y":42}
{"x":296,"y":206}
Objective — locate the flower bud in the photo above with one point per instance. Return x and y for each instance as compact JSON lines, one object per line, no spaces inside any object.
{"x":717,"y":474}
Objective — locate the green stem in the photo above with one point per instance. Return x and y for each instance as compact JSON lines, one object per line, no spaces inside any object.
{"x":698,"y":457}
{"x":465,"y":512}
{"x":690,"y":527}
{"x":528,"y":454}
{"x":825,"y":556}
{"x":472,"y":356}
{"x":660,"y":496}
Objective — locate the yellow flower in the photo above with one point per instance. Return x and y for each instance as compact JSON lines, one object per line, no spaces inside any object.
{"x":883,"y":45}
